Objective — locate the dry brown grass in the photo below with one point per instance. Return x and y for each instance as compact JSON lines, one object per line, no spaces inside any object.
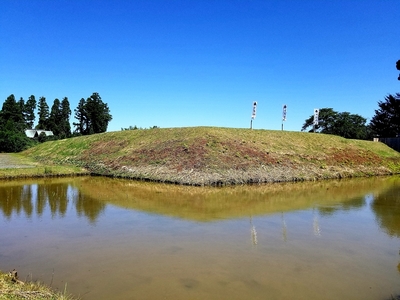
{"x":14,"y":289}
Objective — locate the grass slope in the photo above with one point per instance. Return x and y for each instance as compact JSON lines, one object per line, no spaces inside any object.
{"x":216,"y":156}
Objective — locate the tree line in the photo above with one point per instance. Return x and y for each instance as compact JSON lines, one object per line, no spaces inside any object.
{"x":92,"y":114}
{"x":385,"y":122}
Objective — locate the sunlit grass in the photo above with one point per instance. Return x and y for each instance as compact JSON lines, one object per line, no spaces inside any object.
{"x":18,"y":290}
{"x":42,"y":171}
{"x":214,"y":155}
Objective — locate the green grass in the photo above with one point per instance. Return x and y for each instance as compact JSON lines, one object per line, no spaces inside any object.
{"x":215,"y":150}
{"x":274,"y":141}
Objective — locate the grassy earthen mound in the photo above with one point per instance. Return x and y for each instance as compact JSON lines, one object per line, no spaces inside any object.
{"x":219,"y":156}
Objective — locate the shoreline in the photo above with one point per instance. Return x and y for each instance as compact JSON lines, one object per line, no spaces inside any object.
{"x":15,"y":167}
{"x":263,"y":175}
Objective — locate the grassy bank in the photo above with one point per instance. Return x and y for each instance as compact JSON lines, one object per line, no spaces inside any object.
{"x":218,"y":156}
{"x":16,"y":165}
{"x":12,"y":288}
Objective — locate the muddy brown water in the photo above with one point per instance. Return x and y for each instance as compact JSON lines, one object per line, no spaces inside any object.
{"x":105,"y":238}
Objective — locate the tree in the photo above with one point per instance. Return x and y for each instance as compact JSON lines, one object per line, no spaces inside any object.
{"x":326,"y":119}
{"x":12,"y":112}
{"x":58,"y":121}
{"x":98,"y":114}
{"x":65,"y":126}
{"x":342,"y":124}
{"x":350,"y":126}
{"x":12,"y":139}
{"x":398,"y":67}
{"x":386,"y":121}
{"x":12,"y":125}
{"x":93,"y":115}
{"x":53,"y":122}
{"x":43,"y":113}
{"x":21,"y":106}
{"x":29,"y":111}
{"x":80,"y":115}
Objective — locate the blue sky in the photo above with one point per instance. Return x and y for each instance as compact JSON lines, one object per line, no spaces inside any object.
{"x":182,"y":63}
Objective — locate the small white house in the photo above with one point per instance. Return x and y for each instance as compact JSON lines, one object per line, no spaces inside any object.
{"x":34,"y":133}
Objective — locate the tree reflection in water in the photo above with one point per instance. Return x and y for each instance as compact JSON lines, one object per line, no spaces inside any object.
{"x":386,"y":207}
{"x":351,"y":204}
{"x":56,"y":197}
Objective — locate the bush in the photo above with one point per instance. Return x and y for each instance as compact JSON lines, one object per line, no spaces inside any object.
{"x":11,"y":141}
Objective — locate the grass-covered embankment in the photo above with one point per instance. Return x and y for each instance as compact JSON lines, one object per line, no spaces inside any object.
{"x":15,"y":165}
{"x":216,"y":156}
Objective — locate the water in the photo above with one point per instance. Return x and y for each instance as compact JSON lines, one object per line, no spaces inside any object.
{"x":114,"y":239}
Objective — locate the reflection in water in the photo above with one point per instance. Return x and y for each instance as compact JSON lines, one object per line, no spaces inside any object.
{"x":56,"y":195}
{"x":386,"y":206}
{"x":176,"y":242}
{"x":284,"y":229}
{"x":350,"y":204}
{"x":253,"y":233}
{"x":211,"y":204}
{"x":316,"y":229}
{"x":91,"y":195}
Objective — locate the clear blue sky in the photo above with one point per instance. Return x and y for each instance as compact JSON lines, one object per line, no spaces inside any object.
{"x":181,"y":63}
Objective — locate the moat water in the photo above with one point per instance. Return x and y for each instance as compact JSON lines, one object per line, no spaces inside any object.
{"x":105,"y":238}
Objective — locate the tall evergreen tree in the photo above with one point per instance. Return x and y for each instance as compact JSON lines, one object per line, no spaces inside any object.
{"x":93,"y":115}
{"x":29,"y":111}
{"x":65,"y":126}
{"x":12,"y":125}
{"x":53,"y":122}
{"x":43,"y":113}
{"x":11,"y":111}
{"x":99,"y":114}
{"x":80,"y":115}
{"x":386,"y":121}
{"x":21,"y":105}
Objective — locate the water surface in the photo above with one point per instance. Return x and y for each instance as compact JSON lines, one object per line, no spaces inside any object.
{"x":116,"y":239}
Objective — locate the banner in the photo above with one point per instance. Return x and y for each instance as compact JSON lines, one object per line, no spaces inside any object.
{"x":253,"y":116}
{"x":284,"y":113}
{"x":316,"y":114}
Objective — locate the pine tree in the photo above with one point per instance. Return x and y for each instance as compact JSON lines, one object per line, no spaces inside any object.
{"x":65,"y":126}
{"x":43,"y":113}
{"x":93,"y":115}
{"x":29,"y":111}
{"x":53,"y":122}
{"x":80,"y":115}
{"x":12,"y":112}
{"x":386,"y":121}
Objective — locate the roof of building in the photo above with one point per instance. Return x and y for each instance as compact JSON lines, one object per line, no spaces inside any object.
{"x":32,"y":133}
